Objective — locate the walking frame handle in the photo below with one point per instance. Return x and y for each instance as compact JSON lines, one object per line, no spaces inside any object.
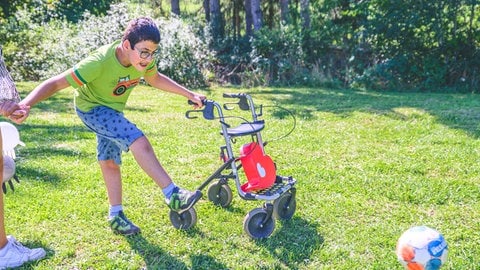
{"x":207,"y":110}
{"x":242,"y":103}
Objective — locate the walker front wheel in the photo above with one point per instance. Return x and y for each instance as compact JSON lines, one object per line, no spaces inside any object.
{"x":220,"y":194}
{"x":258,"y":224}
{"x":184,"y":220}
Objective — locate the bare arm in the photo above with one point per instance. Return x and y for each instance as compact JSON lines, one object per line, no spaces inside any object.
{"x":164,"y":83}
{"x":46,"y":89}
{"x":41,"y":92}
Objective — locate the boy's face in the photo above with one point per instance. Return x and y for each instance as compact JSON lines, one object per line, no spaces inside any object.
{"x":142,"y":54}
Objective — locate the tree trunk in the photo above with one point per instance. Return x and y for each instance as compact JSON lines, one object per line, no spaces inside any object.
{"x":237,"y":6}
{"x":248,"y":18}
{"x":270,"y":17}
{"x":305,"y":13}
{"x":257,"y":14}
{"x":175,"y":7}
{"x":284,"y":12}
{"x":216,"y":23}
{"x":206,"y":7}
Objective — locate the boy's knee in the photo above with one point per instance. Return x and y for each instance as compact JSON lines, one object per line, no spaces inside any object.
{"x":141,"y":143}
{"x":111,"y":164}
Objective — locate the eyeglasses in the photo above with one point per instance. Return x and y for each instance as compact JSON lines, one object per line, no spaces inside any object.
{"x":146,"y":54}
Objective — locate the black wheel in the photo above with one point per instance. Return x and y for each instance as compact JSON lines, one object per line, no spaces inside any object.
{"x":220,"y":194}
{"x":184,"y":220}
{"x":284,"y":206}
{"x":255,"y":225}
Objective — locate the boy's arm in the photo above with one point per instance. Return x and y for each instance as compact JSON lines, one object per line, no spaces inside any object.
{"x":46,"y":89}
{"x":41,"y":92}
{"x":162,"y":82}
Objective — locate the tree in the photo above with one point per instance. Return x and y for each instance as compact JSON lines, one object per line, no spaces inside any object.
{"x":248,"y":18}
{"x":216,"y":23}
{"x":284,"y":12}
{"x":175,"y":7}
{"x":256,"y":14}
{"x":206,"y":8}
{"x":305,"y":13}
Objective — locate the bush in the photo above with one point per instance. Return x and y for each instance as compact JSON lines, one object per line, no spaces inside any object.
{"x":36,"y":51}
{"x":183,"y":56}
{"x":279,"y":54}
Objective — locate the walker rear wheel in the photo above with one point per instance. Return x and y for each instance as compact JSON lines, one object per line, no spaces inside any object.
{"x":284,"y":206}
{"x":184,"y":220}
{"x":220,"y":194}
{"x":256,"y":225}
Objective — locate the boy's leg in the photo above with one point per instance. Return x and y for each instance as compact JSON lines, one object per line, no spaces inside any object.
{"x":143,"y":152}
{"x":176,"y":198}
{"x":113,"y":182}
{"x":115,"y":133}
{"x":118,"y":221}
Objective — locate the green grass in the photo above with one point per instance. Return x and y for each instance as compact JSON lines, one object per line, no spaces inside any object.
{"x":368,"y":165}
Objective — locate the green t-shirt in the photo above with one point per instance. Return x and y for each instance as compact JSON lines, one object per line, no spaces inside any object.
{"x":100,"y":80}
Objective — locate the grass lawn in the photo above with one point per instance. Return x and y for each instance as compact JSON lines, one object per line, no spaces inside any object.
{"x":368,"y":165}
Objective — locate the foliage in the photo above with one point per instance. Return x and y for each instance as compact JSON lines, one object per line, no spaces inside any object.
{"x":183,"y":56}
{"x":42,"y":10}
{"x":380,"y":44}
{"x":407,"y":44}
{"x":279,"y":55}
{"x":46,"y":49}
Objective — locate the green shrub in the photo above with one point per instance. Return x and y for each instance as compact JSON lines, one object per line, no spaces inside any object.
{"x":183,"y":56}
{"x":279,"y":55}
{"x":36,"y":51}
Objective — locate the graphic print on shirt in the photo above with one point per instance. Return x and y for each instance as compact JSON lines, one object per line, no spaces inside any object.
{"x":124,"y":83}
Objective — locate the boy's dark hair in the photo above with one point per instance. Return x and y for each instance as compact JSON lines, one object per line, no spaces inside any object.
{"x":140,"y":29}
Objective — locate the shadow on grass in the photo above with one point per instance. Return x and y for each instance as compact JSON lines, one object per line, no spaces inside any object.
{"x":205,"y":262}
{"x":44,"y":152}
{"x":294,"y":242}
{"x":51,"y":134}
{"x":156,"y":258}
{"x":457,"y":111}
{"x":38,"y":174}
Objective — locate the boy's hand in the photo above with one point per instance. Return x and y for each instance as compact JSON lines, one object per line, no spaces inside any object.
{"x":198,"y":100}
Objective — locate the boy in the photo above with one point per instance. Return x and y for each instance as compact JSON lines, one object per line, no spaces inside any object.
{"x":103,"y":82}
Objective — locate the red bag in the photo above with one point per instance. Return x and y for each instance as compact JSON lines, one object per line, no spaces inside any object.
{"x":259,"y":168}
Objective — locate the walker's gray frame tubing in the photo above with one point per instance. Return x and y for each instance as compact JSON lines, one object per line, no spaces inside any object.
{"x":251,"y":108}
{"x":231,"y":157}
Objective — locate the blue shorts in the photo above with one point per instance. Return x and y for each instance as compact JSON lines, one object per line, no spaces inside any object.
{"x":115,"y":133}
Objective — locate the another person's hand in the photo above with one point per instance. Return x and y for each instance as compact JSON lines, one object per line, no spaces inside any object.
{"x":15,"y":112}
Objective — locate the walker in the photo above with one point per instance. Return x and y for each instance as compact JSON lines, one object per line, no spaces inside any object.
{"x":262,"y":182}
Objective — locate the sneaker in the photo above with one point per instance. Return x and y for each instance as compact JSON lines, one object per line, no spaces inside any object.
{"x":14,"y":254}
{"x":181,"y":199}
{"x":120,"y":224}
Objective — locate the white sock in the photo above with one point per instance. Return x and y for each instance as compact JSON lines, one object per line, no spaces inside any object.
{"x":114,"y":210}
{"x":168,"y":191}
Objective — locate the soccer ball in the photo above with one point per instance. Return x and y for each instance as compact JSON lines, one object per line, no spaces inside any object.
{"x":422,"y":248}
